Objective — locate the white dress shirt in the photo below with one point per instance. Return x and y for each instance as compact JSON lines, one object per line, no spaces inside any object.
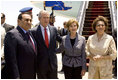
{"x":29,"y":35}
{"x":2,"y":24}
{"x":43,"y":32}
{"x":3,"y":33}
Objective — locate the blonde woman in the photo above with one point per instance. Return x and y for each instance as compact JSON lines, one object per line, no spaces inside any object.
{"x":101,"y":50}
{"x":74,"y":59}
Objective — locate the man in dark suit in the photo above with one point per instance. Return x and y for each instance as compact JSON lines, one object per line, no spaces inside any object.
{"x":20,"y":51}
{"x":63,"y":31}
{"x":46,"y":36}
{"x":5,"y":25}
{"x":7,"y":28}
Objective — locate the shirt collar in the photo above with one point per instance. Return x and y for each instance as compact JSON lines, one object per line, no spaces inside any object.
{"x":23,"y":30}
{"x":42,"y":28}
{"x":103,"y":37}
{"x":3,"y":24}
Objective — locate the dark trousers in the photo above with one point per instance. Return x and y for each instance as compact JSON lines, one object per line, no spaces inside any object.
{"x":72,"y":72}
{"x":49,"y":74}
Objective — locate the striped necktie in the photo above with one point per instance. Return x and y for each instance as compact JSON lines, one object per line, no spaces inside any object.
{"x":31,"y":40}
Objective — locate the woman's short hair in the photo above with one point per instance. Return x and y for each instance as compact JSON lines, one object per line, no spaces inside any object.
{"x":70,"y":22}
{"x":3,"y":15}
{"x":100,"y":18}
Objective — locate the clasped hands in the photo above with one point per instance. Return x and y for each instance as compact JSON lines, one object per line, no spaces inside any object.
{"x":97,"y":57}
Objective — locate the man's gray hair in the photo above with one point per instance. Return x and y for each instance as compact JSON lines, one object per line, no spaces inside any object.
{"x":42,"y":11}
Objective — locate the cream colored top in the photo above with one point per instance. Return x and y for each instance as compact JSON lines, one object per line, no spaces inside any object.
{"x":105,"y":47}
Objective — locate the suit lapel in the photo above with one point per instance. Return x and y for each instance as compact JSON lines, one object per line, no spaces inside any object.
{"x":40,"y":36}
{"x":76,"y":40}
{"x":21,"y":31}
{"x":34,"y":42}
{"x":68,"y":41}
{"x":51,"y":35}
{"x":25,"y":37}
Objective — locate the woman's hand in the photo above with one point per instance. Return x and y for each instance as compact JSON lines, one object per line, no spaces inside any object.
{"x":97,"y":57}
{"x":83,"y":72}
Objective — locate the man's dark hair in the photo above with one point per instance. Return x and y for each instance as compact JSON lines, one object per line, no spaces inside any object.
{"x":20,"y":16}
{"x":3,"y":15}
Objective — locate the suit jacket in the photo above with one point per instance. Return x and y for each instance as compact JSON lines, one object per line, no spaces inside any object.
{"x":20,"y":56}
{"x":46,"y":56}
{"x":75,"y":55}
{"x":63,"y":32}
{"x":8,"y":27}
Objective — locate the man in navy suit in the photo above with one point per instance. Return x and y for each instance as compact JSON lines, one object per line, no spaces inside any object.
{"x":20,"y":51}
{"x":46,"y":36}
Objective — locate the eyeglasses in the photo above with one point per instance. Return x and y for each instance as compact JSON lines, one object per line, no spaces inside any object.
{"x":100,"y":25}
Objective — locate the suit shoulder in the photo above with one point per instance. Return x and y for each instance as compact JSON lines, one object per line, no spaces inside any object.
{"x":12,"y":32}
{"x":91,"y":36}
{"x":50,"y":25}
{"x":54,"y":27}
{"x":109,"y":36}
{"x":11,"y":26}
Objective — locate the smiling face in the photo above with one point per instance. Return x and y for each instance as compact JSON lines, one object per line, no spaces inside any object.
{"x":100,"y":27}
{"x":73,"y":28}
{"x":25,"y":22}
{"x":100,"y":24}
{"x":44,"y":19}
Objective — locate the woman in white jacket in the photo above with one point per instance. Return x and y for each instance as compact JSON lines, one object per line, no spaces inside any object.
{"x":101,"y":50}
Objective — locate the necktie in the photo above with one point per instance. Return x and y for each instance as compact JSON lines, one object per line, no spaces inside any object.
{"x":46,"y":38}
{"x":31,"y":40}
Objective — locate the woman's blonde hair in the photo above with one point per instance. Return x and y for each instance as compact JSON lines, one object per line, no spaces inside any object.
{"x":70,"y":22}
